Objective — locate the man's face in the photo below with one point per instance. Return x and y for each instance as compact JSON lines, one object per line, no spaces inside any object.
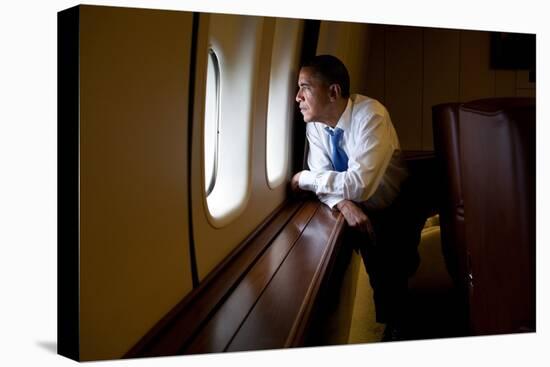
{"x":313,"y":96}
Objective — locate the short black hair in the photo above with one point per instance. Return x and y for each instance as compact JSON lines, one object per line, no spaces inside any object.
{"x":331,"y":70}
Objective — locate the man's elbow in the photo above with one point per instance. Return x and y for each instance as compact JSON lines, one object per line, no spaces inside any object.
{"x":358,"y":193}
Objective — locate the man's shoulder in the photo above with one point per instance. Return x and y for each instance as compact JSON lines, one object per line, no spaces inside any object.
{"x":363,"y":105}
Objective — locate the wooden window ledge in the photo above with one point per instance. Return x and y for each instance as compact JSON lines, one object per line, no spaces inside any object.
{"x":263,"y":296}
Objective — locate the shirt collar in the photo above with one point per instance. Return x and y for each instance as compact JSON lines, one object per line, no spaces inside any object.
{"x":345,"y":120}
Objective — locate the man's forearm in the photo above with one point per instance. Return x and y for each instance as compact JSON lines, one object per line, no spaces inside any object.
{"x":344,"y":204}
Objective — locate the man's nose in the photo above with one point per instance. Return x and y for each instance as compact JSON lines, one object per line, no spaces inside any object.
{"x":299,"y":96}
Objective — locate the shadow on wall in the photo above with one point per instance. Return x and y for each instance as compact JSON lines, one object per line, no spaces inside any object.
{"x":50,"y":346}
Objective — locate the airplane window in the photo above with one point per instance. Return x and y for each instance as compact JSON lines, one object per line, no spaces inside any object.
{"x":231,"y":80}
{"x":211,"y":119}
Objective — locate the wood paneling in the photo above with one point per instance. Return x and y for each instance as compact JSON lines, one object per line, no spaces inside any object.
{"x":522,"y":80}
{"x":403,"y":80}
{"x":505,"y":83}
{"x":412,"y":69}
{"x":263,"y":296}
{"x":524,"y":88}
{"x":279,"y":317}
{"x":375,"y":85}
{"x":526,"y":93}
{"x":220,"y":329}
{"x":441,"y":70}
{"x":177,"y":328}
{"x":476,"y":79}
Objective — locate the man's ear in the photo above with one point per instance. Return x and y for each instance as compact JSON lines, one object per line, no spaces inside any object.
{"x":335,"y":92}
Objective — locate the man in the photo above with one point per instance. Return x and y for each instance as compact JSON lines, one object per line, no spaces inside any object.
{"x":355,"y":166}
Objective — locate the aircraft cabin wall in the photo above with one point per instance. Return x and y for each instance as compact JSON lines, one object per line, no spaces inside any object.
{"x":350,"y":42}
{"x":412,"y":69}
{"x":135,"y":239}
{"x":134,"y":257}
{"x":256,"y":74}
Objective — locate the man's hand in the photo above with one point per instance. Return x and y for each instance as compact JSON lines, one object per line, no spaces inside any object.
{"x":295,"y":184}
{"x":355,"y":217}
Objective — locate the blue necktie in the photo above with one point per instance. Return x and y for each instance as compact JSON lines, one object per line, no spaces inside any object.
{"x":338,"y":156}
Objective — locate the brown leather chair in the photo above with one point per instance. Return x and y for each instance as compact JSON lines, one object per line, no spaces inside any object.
{"x":446,"y":146}
{"x":486,"y":150}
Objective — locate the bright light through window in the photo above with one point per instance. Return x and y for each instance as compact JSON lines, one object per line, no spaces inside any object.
{"x":211,"y":117}
{"x":281,"y":99}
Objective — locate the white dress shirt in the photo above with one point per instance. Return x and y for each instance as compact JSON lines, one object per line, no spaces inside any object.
{"x":375,"y":167}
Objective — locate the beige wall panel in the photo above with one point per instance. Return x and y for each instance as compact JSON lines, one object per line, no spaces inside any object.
{"x":505,"y":83}
{"x":334,"y":39}
{"x":358,"y":49}
{"x":441,"y":70}
{"x":134,"y":255}
{"x":375,"y":81}
{"x":404,"y":83}
{"x":476,"y":79}
{"x":213,"y":244}
{"x":349,"y":42}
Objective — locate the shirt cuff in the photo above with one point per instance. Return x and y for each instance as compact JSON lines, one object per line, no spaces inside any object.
{"x":307,"y":181}
{"x":331,"y":200}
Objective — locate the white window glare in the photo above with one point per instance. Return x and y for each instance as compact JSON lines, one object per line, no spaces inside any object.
{"x":281,"y":100}
{"x":211,"y":121}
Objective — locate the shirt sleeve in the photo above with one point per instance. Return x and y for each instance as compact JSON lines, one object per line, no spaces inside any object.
{"x":318,"y":162}
{"x":368,"y":160}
